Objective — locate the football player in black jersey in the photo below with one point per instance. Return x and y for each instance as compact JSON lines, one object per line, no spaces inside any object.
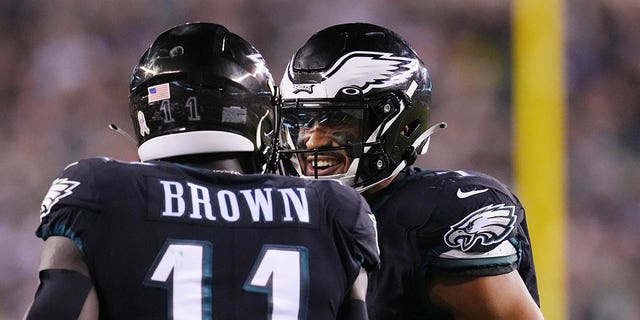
{"x":187,"y":233}
{"x":454,"y":244}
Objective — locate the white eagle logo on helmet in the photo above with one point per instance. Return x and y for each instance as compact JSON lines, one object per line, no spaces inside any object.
{"x":488,"y":225}
{"x":357,"y":71}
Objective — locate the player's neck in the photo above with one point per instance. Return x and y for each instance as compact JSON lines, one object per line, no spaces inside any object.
{"x":372,"y":192}
{"x":236,"y":163}
{"x":226,"y":165}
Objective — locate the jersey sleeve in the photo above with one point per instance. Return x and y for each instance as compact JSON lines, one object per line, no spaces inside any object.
{"x":354,"y":227}
{"x":478,"y":230}
{"x":70,"y":203}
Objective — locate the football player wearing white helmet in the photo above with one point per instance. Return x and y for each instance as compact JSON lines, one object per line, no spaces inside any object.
{"x":454,"y":244}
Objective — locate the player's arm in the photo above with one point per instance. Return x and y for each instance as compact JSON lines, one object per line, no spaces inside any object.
{"x":66,"y":290}
{"x":495,"y":297}
{"x":359,"y":226}
{"x":354,"y":307}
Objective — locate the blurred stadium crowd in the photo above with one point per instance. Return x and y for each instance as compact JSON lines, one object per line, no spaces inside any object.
{"x":65,"y":67}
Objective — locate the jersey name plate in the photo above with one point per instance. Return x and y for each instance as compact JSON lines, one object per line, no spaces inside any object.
{"x":189,"y":202}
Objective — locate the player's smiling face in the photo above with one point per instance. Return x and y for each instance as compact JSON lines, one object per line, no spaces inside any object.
{"x":320,"y":136}
{"x":322,"y":130}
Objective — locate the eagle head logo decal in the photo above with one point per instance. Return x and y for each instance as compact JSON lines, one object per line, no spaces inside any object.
{"x":60,"y":188}
{"x":487,"y":225}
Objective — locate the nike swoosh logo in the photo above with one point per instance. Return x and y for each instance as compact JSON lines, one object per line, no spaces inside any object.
{"x":461,"y":194}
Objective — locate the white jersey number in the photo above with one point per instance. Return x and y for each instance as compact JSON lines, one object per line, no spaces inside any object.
{"x":280,"y":272}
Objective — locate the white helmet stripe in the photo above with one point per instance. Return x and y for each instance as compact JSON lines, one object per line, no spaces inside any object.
{"x":193,"y":142}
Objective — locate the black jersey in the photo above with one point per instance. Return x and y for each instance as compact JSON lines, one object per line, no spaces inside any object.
{"x":452,"y":222}
{"x":166,"y":241}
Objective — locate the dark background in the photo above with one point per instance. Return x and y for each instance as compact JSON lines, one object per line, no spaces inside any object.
{"x":65,"y":67}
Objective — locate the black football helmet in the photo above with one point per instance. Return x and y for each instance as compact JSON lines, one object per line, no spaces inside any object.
{"x":365,"y":78}
{"x":201,"y":89}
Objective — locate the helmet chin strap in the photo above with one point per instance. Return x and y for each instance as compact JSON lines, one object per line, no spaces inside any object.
{"x":390,"y":177}
{"x":421,"y":145}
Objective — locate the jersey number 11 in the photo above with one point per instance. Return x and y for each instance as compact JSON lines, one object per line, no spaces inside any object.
{"x":281,"y":272}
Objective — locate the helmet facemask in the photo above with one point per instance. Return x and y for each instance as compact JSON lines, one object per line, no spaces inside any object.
{"x":341,"y":139}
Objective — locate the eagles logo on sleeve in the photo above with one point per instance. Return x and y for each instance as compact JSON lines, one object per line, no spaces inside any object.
{"x":59,"y":189}
{"x":487,"y":225}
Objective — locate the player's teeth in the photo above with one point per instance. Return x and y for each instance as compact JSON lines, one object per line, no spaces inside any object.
{"x":325,"y":163}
